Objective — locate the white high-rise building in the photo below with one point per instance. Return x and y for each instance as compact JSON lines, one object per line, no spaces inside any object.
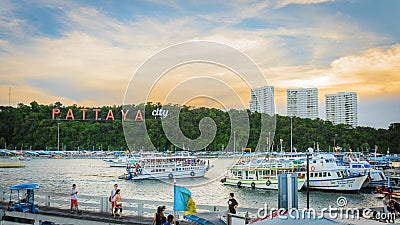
{"x":262,"y":100}
{"x":302,"y":102}
{"x":341,"y":108}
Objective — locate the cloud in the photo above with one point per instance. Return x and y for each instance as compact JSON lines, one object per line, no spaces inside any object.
{"x":283,"y":3}
{"x":374,"y":72}
{"x":94,"y":54}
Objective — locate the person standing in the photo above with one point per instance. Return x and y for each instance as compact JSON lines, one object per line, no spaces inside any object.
{"x":74,"y":198}
{"x":118,"y":203}
{"x":232,"y":203}
{"x":159,"y":217}
{"x":111,"y":198}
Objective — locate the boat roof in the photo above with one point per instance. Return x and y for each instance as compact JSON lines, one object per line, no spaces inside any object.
{"x":25,"y":187}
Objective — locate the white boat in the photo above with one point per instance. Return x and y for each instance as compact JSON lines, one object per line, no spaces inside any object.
{"x":375,"y":177}
{"x":260,"y":173}
{"x":165,"y":167}
{"x":326,"y":175}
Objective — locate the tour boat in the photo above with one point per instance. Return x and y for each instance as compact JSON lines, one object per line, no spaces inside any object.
{"x":165,"y":167}
{"x":326,"y":175}
{"x":357,"y":164}
{"x":375,"y":177}
{"x":260,"y":173}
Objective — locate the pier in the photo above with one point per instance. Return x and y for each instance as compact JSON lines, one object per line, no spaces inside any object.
{"x":55,"y":208}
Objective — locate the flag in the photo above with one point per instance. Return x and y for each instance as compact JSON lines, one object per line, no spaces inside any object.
{"x":190,"y":207}
{"x":181,"y":198}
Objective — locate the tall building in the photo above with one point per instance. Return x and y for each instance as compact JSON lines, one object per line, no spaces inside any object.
{"x":302,"y":102}
{"x":262,"y":100}
{"x":341,"y":108}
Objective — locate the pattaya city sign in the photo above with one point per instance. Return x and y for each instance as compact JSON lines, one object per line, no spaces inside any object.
{"x":126,"y":115}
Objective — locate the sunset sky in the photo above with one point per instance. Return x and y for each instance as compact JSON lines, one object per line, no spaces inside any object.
{"x":85,"y":52}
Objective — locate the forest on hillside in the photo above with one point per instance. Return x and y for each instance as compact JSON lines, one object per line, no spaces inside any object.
{"x":32,"y":127}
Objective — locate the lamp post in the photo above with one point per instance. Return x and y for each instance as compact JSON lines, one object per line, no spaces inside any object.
{"x":58,"y":136}
{"x":269,"y":141}
{"x":291,"y":133}
{"x":234,"y":142}
{"x":334,"y":142}
{"x":308,"y":179}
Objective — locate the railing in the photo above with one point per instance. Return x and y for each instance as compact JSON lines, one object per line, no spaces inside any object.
{"x":135,"y":207}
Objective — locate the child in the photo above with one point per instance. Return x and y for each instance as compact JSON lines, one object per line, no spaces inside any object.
{"x":170,"y":219}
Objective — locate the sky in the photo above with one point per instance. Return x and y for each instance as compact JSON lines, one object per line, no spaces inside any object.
{"x":86,"y":52}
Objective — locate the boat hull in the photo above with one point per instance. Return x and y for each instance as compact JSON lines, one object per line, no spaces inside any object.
{"x":195,"y":173}
{"x":268,"y":184}
{"x":349,"y":184}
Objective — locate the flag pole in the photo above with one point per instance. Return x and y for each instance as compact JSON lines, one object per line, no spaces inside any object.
{"x":173,"y":208}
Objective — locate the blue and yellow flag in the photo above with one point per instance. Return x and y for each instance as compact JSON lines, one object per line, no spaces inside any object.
{"x":190,"y":207}
{"x":181,"y":198}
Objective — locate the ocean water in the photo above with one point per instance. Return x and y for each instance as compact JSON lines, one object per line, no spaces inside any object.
{"x":94,"y":177}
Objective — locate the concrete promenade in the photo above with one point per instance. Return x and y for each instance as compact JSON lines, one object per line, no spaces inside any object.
{"x":55,"y":207}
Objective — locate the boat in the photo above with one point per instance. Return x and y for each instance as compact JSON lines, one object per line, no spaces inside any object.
{"x":260,"y":173}
{"x":375,"y":177}
{"x":22,"y":158}
{"x":123,"y":161}
{"x":183,"y":165}
{"x":326,"y":175}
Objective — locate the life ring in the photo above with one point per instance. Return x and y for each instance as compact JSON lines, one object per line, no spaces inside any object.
{"x":192,"y":173}
{"x":239,"y":184}
{"x":268,"y":183}
{"x":253,"y":185}
{"x":312,"y":168}
{"x":170,"y":176}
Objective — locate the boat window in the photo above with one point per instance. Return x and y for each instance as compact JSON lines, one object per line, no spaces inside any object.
{"x":329,"y":174}
{"x":324,"y":174}
{"x":338,"y":174}
{"x":311,"y":174}
{"x":320,"y":174}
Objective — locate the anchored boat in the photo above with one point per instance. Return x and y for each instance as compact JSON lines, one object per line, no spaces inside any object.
{"x":260,"y":173}
{"x":165,"y":167}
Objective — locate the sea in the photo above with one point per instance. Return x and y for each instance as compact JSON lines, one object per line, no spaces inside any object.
{"x":94,"y":177}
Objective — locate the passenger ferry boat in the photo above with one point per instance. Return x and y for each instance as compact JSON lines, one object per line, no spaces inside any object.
{"x":357,"y":164}
{"x":165,"y":167}
{"x":260,"y":173}
{"x":375,"y":177}
{"x":326,"y":175}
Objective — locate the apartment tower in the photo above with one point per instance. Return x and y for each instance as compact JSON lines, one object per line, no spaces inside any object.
{"x":341,"y":108}
{"x":262,"y":100}
{"x":302,"y":102}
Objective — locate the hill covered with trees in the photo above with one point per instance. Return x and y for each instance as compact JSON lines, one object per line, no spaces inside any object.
{"x":32,"y":127}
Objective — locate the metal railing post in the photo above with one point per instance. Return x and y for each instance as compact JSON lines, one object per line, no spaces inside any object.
{"x":140,"y":208}
{"x":47,"y":201}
